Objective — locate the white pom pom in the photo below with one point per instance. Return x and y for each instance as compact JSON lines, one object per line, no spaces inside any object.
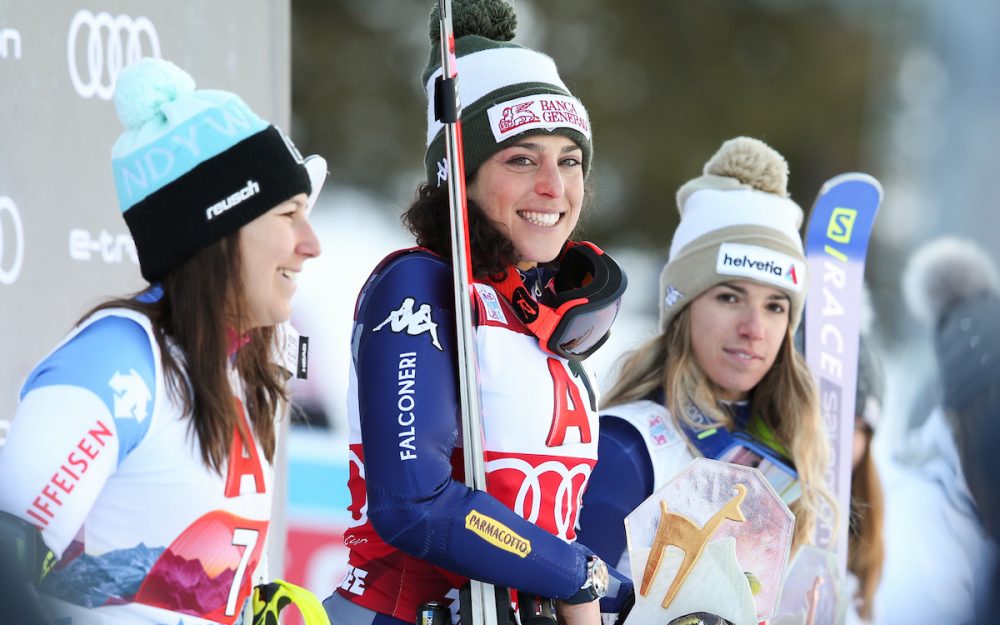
{"x":943,"y":272}
{"x":752,"y":162}
{"x":144,"y":87}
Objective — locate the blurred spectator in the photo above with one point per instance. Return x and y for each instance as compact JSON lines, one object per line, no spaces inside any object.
{"x":940,"y":512}
{"x":866,"y":544}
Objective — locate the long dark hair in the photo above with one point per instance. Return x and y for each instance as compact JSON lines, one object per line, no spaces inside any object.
{"x":201,"y":306}
{"x":429,"y":219}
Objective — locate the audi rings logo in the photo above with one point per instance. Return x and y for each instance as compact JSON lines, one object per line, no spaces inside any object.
{"x":560,"y":480}
{"x":108,"y":44}
{"x":11,"y":241}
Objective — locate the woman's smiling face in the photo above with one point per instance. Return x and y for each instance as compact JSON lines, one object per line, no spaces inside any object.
{"x":534,"y":190}
{"x":273,"y":249}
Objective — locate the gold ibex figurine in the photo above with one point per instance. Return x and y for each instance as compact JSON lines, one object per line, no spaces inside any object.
{"x":679,"y":531}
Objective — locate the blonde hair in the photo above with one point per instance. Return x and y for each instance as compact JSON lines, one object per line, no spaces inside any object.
{"x":866,"y":547}
{"x":667,"y":361}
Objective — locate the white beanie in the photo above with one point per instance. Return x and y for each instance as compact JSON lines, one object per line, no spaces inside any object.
{"x":737,"y":223}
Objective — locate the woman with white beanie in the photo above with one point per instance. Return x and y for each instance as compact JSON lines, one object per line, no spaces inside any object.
{"x":722,"y":378}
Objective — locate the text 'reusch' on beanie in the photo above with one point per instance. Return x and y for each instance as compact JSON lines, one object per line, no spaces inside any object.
{"x":193,"y":166}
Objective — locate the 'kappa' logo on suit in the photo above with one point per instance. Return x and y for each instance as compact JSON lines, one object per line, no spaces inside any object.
{"x":413,"y":323}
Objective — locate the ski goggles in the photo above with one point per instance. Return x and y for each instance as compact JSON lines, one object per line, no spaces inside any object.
{"x":573,"y":315}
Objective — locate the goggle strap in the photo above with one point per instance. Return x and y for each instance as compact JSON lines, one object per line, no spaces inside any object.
{"x":537,"y":317}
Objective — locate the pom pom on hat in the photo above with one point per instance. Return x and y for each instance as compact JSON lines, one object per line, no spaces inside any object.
{"x":741,"y":163}
{"x":943,"y":272}
{"x":144,"y":87}
{"x":952,"y":285}
{"x":737,"y":223}
{"x":493,"y":19}
{"x":193,"y":166}
{"x":753,"y":163}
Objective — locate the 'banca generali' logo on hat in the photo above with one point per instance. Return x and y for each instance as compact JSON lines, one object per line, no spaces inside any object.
{"x":544,"y":110}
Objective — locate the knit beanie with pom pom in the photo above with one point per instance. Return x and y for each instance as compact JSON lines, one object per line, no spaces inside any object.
{"x":952,"y":285}
{"x":737,"y":223}
{"x":507,"y":91}
{"x":194,"y":166}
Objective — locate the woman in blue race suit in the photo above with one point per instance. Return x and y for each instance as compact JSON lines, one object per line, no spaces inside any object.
{"x":418,"y":532}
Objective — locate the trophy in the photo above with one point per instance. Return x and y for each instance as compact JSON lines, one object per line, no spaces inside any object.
{"x":709,"y":546}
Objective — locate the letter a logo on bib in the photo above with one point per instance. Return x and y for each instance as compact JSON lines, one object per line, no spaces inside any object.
{"x":241,"y":464}
{"x":568,"y":411}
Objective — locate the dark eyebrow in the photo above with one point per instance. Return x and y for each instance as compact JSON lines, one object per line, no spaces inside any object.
{"x":537,"y":147}
{"x":773,"y":296}
{"x":730,"y":285}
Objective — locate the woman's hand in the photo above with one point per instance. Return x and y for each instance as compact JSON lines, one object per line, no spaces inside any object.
{"x":579,"y":614}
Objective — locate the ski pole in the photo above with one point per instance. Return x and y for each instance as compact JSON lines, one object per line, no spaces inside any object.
{"x":447,"y":109}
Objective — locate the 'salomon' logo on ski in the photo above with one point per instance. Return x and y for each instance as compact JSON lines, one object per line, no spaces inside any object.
{"x":841,"y":224}
{"x":413,"y":323}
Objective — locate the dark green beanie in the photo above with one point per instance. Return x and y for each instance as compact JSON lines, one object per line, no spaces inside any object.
{"x":507,"y":91}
